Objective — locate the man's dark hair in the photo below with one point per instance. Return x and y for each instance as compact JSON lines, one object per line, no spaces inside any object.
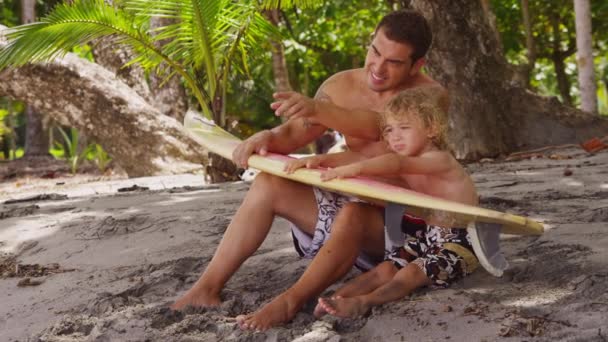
{"x":409,"y":27}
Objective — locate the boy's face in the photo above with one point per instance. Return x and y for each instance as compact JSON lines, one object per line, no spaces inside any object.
{"x":388,"y":64}
{"x":407,"y":135}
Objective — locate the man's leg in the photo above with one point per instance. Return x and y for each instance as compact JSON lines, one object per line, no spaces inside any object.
{"x":357,"y":227}
{"x":265,"y":199}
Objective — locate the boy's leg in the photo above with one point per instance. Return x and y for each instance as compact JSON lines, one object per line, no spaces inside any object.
{"x":265,"y":199}
{"x":362,"y":284}
{"x":403,"y":283}
{"x":357,"y":227}
{"x":368,"y":281}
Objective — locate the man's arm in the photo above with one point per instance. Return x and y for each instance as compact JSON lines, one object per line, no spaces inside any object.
{"x":283,"y":139}
{"x":358,"y":123}
{"x":322,"y":110}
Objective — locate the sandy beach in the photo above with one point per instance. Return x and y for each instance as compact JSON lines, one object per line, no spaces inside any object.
{"x":102,"y":261}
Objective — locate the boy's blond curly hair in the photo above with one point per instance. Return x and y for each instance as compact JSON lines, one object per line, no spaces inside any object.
{"x":426,"y":103}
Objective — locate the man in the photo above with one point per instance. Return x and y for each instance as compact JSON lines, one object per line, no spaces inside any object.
{"x":347,"y":102}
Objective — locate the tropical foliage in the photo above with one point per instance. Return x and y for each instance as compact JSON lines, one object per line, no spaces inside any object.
{"x":554,"y":36}
{"x":204,"y":39}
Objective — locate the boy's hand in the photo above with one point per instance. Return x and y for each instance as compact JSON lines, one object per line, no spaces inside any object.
{"x":292,"y":105}
{"x":308,"y":162}
{"x":347,"y":171}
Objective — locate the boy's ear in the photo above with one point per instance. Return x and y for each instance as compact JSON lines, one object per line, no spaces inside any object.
{"x":432,"y":132}
{"x":417,"y":66}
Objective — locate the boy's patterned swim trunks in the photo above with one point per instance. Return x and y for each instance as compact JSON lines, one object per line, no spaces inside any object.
{"x":445,"y":255}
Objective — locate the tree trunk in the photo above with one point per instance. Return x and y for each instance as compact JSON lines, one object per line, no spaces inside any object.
{"x":558,"y":57}
{"x":36,"y":136}
{"x":88,"y":97}
{"x":584,"y":57}
{"x":169,"y":97}
{"x":279,"y":65}
{"x":563,"y":83}
{"x":525,"y":69}
{"x":489,"y":115}
{"x":489,"y":15}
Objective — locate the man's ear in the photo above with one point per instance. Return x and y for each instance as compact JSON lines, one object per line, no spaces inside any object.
{"x":417,"y":66}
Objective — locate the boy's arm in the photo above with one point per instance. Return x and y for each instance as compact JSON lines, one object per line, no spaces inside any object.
{"x":393,"y":164}
{"x":323,"y":160}
{"x":341,"y":158}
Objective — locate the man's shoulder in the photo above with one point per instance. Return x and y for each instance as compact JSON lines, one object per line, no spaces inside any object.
{"x":341,"y":86}
{"x":425,"y":80}
{"x":347,"y":77}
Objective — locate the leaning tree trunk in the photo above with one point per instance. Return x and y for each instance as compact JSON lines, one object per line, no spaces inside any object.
{"x":584,"y":56}
{"x":114,"y":57}
{"x":489,"y":115}
{"x":169,"y":97}
{"x":86,"y":96}
{"x":36,"y":136}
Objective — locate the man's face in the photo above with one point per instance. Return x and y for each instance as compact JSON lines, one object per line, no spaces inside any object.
{"x":388,"y":64}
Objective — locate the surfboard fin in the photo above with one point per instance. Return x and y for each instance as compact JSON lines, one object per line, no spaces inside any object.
{"x":485,"y":238}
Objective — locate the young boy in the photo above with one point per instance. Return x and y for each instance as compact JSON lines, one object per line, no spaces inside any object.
{"x":435,"y":253}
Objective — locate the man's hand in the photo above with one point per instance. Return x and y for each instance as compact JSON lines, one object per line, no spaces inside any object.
{"x":292,"y":105}
{"x":257,"y":143}
{"x":308,"y":162}
{"x":351,"y":170}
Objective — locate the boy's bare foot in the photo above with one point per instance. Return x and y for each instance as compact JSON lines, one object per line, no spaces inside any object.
{"x":280,"y":310}
{"x":344,"y":307}
{"x":320,"y":309}
{"x":196,"y":299}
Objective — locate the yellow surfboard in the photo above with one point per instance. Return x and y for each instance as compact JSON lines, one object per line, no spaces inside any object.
{"x":483,"y":225}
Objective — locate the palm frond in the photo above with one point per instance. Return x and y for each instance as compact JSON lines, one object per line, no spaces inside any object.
{"x":249,"y":31}
{"x":282,"y":4}
{"x":64,"y":28}
{"x":192,"y":36}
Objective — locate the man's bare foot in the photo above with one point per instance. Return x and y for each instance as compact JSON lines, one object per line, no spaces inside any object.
{"x":344,"y":307}
{"x":196,"y":299}
{"x":279,"y":311}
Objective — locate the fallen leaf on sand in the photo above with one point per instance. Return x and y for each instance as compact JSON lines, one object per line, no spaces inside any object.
{"x":28,"y":282}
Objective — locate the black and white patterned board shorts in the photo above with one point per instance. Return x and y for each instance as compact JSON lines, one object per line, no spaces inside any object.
{"x":432,"y":249}
{"x":328,"y":204}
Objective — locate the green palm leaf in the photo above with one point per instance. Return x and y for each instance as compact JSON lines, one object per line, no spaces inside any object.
{"x":272,"y":4}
